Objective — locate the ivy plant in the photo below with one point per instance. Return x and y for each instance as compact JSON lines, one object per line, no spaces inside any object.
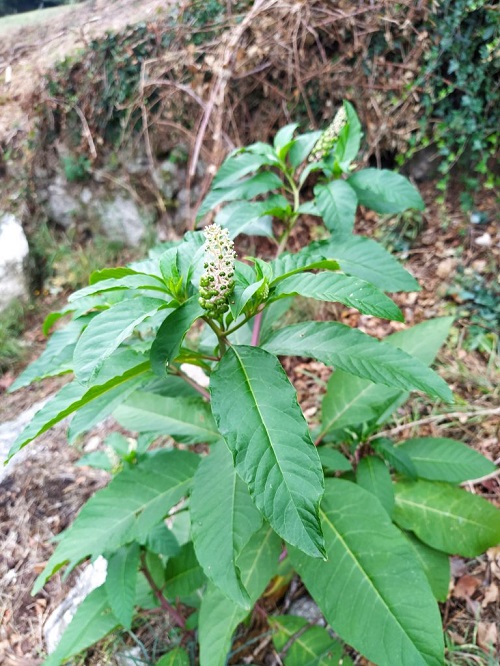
{"x":224,"y":484}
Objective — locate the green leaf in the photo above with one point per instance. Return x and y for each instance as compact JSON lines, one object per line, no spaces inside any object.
{"x":236,"y":166}
{"x":348,"y":142}
{"x":435,"y":564}
{"x":337,"y":203}
{"x":183,"y":575}
{"x":114,"y":273}
{"x":167,"y":344}
{"x":372,"y":475}
{"x":161,"y":540}
{"x":92,"y":621}
{"x":385,"y":191}
{"x":290,"y":264}
{"x":187,"y":420}
{"x":219,"y":616}
{"x":332,"y":460}
{"x":401,"y":461}
{"x":312,"y":647}
{"x":242,"y":189}
{"x":121,"y":581}
{"x":107,"y":331}
{"x":372,"y":590}
{"x":57,"y":357}
{"x":67,"y":400}
{"x":447,"y":518}
{"x":351,"y":401}
{"x":246,"y":217}
{"x":283,"y":139}
{"x":302,"y":146}
{"x":176,"y":657}
{"x":270,"y":442}
{"x":359,"y":354}
{"x":335,"y":287}
{"x":366,"y":259}
{"x":135,"y":500}
{"x":131,"y":282}
{"x":443,"y":459}
{"x":223,"y":519}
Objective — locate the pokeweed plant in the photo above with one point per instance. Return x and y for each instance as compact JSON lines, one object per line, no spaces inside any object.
{"x":225,"y":485}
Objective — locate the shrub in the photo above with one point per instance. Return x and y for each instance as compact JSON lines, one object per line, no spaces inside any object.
{"x":367,"y":523}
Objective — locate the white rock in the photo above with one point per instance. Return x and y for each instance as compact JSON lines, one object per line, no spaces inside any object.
{"x":484,"y":240}
{"x":121,"y":220}
{"x":62,"y":207}
{"x":13,"y":252}
{"x":91,"y":577}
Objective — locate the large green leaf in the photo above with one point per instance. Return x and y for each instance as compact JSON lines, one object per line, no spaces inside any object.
{"x":183,"y":574}
{"x":385,"y":191}
{"x":348,"y":142}
{"x":121,"y":581}
{"x":366,"y":259}
{"x":337,"y":203}
{"x":302,"y":146}
{"x":241,"y":189}
{"x":351,"y":401}
{"x":372,"y":589}
{"x":57,"y":357}
{"x":443,"y":459}
{"x":107,"y":331}
{"x":308,"y":646}
{"x":130,"y":281}
{"x":359,"y":354}
{"x":332,"y":460}
{"x":372,"y":475}
{"x":219,"y":616}
{"x":246,"y":217}
{"x":447,"y":518}
{"x":283,"y":139}
{"x":92,"y":621}
{"x":270,"y":442}
{"x":187,"y":420}
{"x":436,"y":565}
{"x":136,"y":499}
{"x":223,"y":518}
{"x":168,"y":341}
{"x":336,"y":287}
{"x":290,"y":264}
{"x":236,"y":166}
{"x":67,"y":400}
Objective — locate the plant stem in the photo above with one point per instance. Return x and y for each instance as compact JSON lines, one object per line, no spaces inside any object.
{"x":166,"y":606}
{"x":256,"y":329}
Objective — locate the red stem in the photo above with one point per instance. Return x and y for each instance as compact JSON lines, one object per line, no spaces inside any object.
{"x":166,"y":606}
{"x":256,"y":329}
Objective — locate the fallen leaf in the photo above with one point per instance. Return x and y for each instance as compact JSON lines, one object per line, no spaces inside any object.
{"x":494,"y":559}
{"x":487,"y":635}
{"x":491,"y":595}
{"x":465,"y":587}
{"x":445,"y":268}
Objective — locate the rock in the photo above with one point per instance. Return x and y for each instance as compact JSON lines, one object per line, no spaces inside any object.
{"x":62,"y":207}
{"x":14,"y":250}
{"x":308,"y":609}
{"x":91,"y":577}
{"x":9,"y":430}
{"x":121,"y":220}
{"x":130,"y":657}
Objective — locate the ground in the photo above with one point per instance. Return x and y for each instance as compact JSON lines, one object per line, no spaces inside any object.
{"x":448,"y":253}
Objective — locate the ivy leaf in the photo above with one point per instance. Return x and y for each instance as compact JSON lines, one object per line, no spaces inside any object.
{"x":107,"y":331}
{"x":357,"y":596}
{"x":187,"y":420}
{"x":92,"y":621}
{"x":219,"y":616}
{"x":121,"y":581}
{"x":337,"y":203}
{"x":443,"y":459}
{"x":270,"y":443}
{"x":359,"y":354}
{"x":335,"y":287}
{"x":167,"y":344}
{"x":447,"y":518}
{"x":223,"y":518}
{"x":135,"y":500}
{"x":385,"y":191}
